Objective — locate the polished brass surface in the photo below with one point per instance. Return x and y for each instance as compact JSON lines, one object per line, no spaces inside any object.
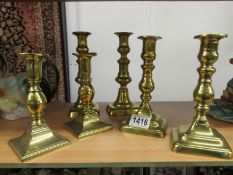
{"x":157,"y":125}
{"x":38,"y":138}
{"x":199,"y":137}
{"x":123,"y":104}
{"x":85,"y":114}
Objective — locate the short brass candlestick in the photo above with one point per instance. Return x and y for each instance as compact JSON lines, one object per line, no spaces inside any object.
{"x":157,"y":125}
{"x":198,"y":137}
{"x":123,"y":105}
{"x":85,"y":117}
{"x":38,"y":138}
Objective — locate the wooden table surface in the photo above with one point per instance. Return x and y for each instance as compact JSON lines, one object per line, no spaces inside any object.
{"x":112,"y":148}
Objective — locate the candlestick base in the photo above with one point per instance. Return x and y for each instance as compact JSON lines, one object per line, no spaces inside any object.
{"x":121,"y":110}
{"x":200,"y":140}
{"x":37,"y":139}
{"x":86,"y":123}
{"x":157,"y":127}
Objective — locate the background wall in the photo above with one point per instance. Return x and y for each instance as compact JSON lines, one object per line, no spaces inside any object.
{"x":175,"y":75}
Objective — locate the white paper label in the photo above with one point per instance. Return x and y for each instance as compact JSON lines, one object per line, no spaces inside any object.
{"x":140,"y":121}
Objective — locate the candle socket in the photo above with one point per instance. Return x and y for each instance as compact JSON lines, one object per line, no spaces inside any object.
{"x":158,"y":125}
{"x":38,"y":138}
{"x":199,"y":137}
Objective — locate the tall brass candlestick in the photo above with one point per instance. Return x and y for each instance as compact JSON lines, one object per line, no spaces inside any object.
{"x":123,"y":104}
{"x":85,"y":118}
{"x":82,"y":48}
{"x":198,"y":137}
{"x":38,"y":138}
{"x":157,"y":125}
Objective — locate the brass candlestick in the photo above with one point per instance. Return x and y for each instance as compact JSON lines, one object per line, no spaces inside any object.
{"x":85,"y":117}
{"x":38,"y":137}
{"x":198,"y":137}
{"x":122,"y":105}
{"x":157,"y":125}
{"x":82,"y":48}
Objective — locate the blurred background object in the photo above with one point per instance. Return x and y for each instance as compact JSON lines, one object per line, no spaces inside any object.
{"x":13,"y":89}
{"x":223,"y":107}
{"x":34,"y":27}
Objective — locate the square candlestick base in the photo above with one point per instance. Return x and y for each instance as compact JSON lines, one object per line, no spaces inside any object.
{"x":88,"y":129}
{"x":86,"y":123}
{"x":121,"y":110}
{"x":38,"y":139}
{"x":157,"y":127}
{"x":200,"y":140}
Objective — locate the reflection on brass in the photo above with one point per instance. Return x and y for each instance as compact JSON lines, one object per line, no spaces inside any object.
{"x":38,"y":138}
{"x":198,"y":137}
{"x":85,"y":114}
{"x":157,"y":125}
{"x":123,"y":105}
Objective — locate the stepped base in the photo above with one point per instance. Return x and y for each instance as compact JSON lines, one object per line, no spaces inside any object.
{"x":123,"y":110}
{"x":195,"y":141}
{"x":157,"y":127}
{"x":92,"y":128}
{"x":38,"y":139}
{"x":86,"y":123}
